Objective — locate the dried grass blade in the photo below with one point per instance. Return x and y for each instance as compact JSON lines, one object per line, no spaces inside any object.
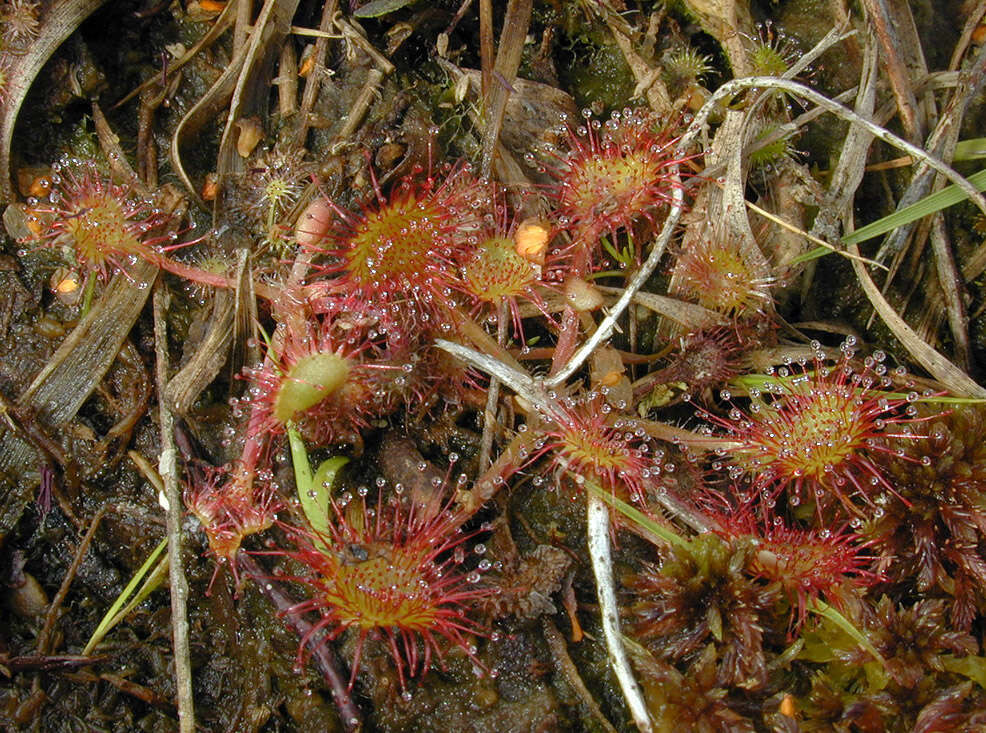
{"x":253,"y":81}
{"x":221,"y":24}
{"x":957,"y":381}
{"x":515,"y":24}
{"x":208,"y":108}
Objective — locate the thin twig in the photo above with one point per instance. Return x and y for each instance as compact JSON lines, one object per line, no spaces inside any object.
{"x":638,"y":280}
{"x":367,"y":96}
{"x":516,"y":20}
{"x":814,"y":240}
{"x":849,"y":171}
{"x":567,"y":669}
{"x":900,"y":80}
{"x":314,"y":80}
{"x":44,"y":636}
{"x":171,"y":501}
{"x":941,"y":143}
{"x":485,"y":47}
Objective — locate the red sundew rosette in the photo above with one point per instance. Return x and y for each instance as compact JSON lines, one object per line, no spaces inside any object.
{"x":585,"y":438}
{"x":393,"y":258}
{"x":807,"y":564}
{"x":230,"y":509}
{"x":715,"y":272}
{"x":617,"y":174}
{"x":315,"y":378}
{"x":817,"y":437}
{"x":393,"y":573}
{"x":105,"y":224}
{"x":511,"y":262}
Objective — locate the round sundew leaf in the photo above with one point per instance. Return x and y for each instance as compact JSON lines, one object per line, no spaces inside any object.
{"x":497,"y":271}
{"x":308,"y":382}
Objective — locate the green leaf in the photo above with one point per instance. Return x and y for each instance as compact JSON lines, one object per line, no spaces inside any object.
{"x":299,"y":460}
{"x":972,"y":667}
{"x":376,"y":8}
{"x":317,"y":503}
{"x":826,"y":611}
{"x":948,"y":196}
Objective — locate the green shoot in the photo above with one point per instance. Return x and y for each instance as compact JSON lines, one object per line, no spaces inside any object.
{"x":117,"y":612}
{"x":314,"y":490}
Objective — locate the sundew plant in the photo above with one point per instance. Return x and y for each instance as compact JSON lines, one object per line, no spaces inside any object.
{"x":484,"y":366}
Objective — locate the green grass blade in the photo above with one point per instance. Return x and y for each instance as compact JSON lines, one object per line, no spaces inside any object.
{"x":635,"y":515}
{"x":108,"y":620}
{"x":970,"y":149}
{"x":151,"y":584}
{"x":948,"y":196}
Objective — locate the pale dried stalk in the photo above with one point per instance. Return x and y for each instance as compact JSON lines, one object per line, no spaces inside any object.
{"x":515,"y":23}
{"x":958,"y":382}
{"x":941,"y":143}
{"x":493,"y":394}
{"x":314,"y":81}
{"x":171,"y":499}
{"x":732,"y":88}
{"x":950,"y":280}
{"x":602,"y":567}
{"x":880,"y":17}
